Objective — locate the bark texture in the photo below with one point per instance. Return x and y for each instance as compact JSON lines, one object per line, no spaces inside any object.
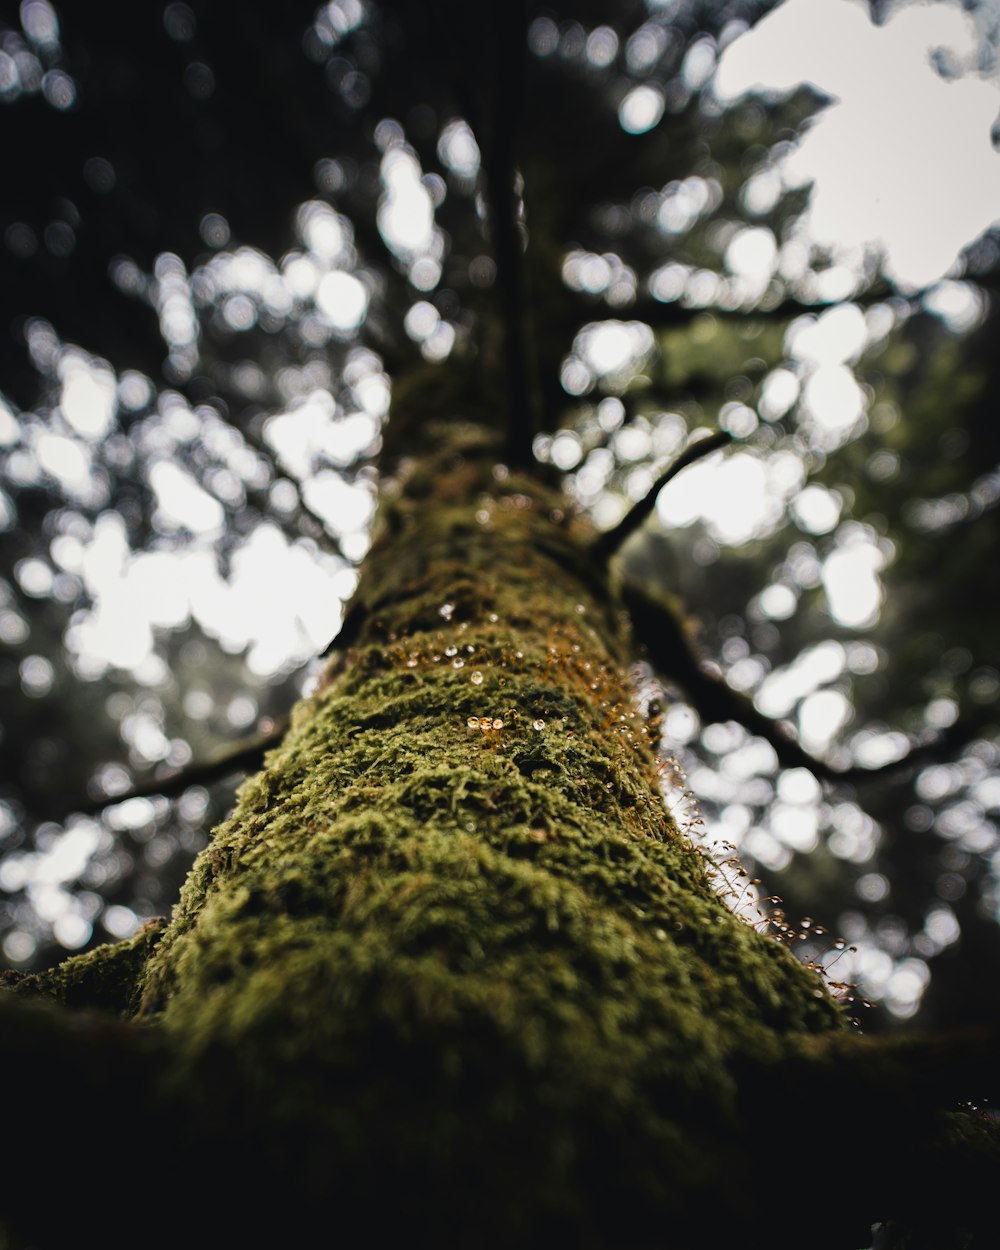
{"x":450,"y":941}
{"x":450,"y":972}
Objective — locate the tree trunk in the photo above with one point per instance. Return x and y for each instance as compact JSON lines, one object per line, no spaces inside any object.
{"x":450,"y":972}
{"x":450,"y":938}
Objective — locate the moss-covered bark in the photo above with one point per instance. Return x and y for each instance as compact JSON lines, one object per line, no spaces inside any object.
{"x":450,"y":969}
{"x":450,"y":939}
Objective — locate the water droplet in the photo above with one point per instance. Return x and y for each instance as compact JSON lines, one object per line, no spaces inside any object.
{"x":538,"y":724}
{"x":450,"y":651}
{"x":485,"y":722}
{"x":411,"y":662}
{"x":446,"y":610}
{"x":469,"y":647}
{"x":493,"y":618}
{"x":483,"y":516}
{"x":473,"y":722}
{"x":498,"y":723}
{"x":476,"y":679}
{"x":580,"y":608}
{"x":459,"y":663}
{"x":519,"y":655}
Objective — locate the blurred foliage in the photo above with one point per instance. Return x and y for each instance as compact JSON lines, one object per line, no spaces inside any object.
{"x":227,"y":229}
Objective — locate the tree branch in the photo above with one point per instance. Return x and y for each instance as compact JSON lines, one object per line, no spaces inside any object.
{"x":244,"y":757}
{"x":502,"y":200}
{"x":671,"y":315}
{"x":103,"y":979}
{"x":608,"y":543}
{"x":661,"y":630}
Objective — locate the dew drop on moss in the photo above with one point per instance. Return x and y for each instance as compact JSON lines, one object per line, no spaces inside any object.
{"x":476,"y":679}
{"x":538,"y":724}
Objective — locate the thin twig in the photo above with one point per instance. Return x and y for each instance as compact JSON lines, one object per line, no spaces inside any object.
{"x":243,"y":758}
{"x":669,"y":314}
{"x":606,"y":544}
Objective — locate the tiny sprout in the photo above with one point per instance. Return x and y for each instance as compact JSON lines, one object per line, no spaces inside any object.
{"x":538,"y":724}
{"x":485,"y":722}
{"x":476,"y":679}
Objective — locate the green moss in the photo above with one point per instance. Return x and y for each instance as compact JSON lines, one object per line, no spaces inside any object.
{"x":104,"y":979}
{"x":450,"y":928}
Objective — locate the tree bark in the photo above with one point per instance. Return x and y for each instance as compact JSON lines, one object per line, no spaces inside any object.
{"x":450,"y":971}
{"x":450,"y":936}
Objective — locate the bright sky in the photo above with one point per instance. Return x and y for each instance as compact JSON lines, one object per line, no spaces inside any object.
{"x":903,"y":159}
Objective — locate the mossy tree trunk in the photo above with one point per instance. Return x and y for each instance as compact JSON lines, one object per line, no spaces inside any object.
{"x":450,"y":971}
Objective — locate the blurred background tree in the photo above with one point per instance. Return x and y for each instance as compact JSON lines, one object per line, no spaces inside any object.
{"x":226,"y":230}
